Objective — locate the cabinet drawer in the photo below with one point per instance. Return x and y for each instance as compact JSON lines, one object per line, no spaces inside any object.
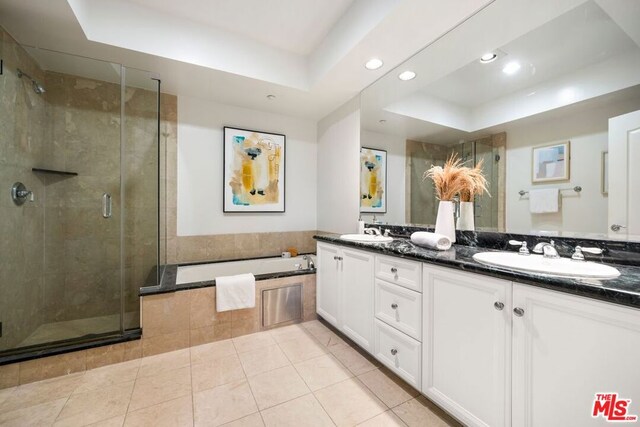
{"x":399,"y":307}
{"x":398,"y":352}
{"x":400,"y":272}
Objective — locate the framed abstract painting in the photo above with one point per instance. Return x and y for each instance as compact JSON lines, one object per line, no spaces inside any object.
{"x":373,"y":180}
{"x":254,"y":171}
{"x":551,"y":163}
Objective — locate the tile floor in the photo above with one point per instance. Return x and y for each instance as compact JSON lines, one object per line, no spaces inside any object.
{"x":300,"y":375}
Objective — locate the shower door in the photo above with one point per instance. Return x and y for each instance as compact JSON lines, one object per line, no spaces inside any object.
{"x":76,"y":249}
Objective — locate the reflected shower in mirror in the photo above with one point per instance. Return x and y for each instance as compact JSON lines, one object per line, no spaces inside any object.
{"x":540,"y":102}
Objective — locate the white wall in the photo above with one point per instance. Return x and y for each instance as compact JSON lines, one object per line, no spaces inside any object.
{"x":338,"y":169}
{"x":395,"y":147}
{"x":200,"y":170}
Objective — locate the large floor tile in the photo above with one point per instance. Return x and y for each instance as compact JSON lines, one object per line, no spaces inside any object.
{"x":216,"y":372}
{"x":386,"y":419}
{"x":302,"y":349}
{"x":41,"y":392}
{"x":96,"y":405}
{"x":253,"y":341}
{"x":388,"y":387}
{"x":303,"y":411}
{"x":253,"y":420}
{"x":160,"y":388}
{"x":422,"y":412}
{"x":108,"y":375}
{"x":353,"y":359}
{"x":43,"y":414}
{"x":263,"y":360}
{"x":161,"y":363}
{"x":111,"y":422}
{"x":223,"y":404}
{"x":350,"y":402}
{"x":277,"y":386}
{"x":288,"y":333}
{"x":212,"y":351}
{"x":173,"y":413}
{"x":322,"y":371}
{"x":328,"y":338}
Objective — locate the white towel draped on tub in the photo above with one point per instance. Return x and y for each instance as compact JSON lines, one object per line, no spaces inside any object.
{"x":235,"y":292}
{"x":431,"y":240}
{"x":544,"y":200}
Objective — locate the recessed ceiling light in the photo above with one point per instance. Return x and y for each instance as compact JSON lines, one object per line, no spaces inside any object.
{"x":407,"y":75}
{"x":271,"y":97}
{"x":373,"y":64}
{"x":511,"y":68}
{"x":488,"y":57}
{"x":382,"y":121}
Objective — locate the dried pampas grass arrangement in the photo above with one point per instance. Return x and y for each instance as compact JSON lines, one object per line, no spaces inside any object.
{"x":454,"y":179}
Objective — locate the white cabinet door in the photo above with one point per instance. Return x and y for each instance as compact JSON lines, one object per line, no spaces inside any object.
{"x":467,"y":345}
{"x":565,"y":350}
{"x":357,"y":297}
{"x":328,"y":283}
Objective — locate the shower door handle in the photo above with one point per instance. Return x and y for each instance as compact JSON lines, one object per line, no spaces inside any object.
{"x":106,"y":205}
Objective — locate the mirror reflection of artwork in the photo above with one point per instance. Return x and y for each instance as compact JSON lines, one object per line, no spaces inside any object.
{"x":551,"y":163}
{"x":254,"y":171}
{"x":373,"y":180}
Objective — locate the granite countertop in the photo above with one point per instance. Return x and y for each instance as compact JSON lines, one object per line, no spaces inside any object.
{"x":624,"y":290}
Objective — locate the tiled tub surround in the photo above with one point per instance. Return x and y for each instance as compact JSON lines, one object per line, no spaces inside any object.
{"x":299,"y":375}
{"x":623,"y":290}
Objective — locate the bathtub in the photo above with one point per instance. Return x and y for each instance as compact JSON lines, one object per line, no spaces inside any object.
{"x":267,"y":267}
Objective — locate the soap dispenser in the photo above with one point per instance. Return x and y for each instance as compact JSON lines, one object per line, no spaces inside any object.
{"x":360,"y":226}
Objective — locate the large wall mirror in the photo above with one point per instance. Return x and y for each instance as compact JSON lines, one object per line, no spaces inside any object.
{"x":546,"y":93}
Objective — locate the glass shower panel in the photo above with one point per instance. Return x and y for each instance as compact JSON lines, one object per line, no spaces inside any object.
{"x":141,"y":187}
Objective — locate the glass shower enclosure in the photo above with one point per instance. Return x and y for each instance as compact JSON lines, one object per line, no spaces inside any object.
{"x":80,"y":160}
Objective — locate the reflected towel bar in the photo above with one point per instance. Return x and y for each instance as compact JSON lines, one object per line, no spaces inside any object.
{"x":577,"y":189}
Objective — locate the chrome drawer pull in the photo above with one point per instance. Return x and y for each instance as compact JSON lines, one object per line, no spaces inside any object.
{"x":394,"y":351}
{"x":498,"y":305}
{"x":394,"y":270}
{"x":394,"y":305}
{"x":518,"y":311}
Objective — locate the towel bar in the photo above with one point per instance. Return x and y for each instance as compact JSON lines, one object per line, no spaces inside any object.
{"x":577,"y":189}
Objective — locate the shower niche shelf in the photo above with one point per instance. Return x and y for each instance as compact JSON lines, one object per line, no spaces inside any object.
{"x":54,"y":172}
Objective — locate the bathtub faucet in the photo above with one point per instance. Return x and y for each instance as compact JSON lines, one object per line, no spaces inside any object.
{"x":310,"y":264}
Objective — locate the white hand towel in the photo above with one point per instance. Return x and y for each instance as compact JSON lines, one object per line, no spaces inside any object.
{"x":544,"y":200}
{"x":431,"y":240}
{"x":235,"y":292}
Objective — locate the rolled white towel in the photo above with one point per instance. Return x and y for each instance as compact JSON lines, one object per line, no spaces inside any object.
{"x":431,"y":240}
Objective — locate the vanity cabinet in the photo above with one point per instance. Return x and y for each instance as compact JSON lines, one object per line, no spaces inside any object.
{"x":565,"y":350}
{"x":345,"y":291}
{"x":467,"y":345}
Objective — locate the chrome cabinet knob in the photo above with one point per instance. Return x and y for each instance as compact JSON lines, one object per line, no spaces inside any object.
{"x":394,"y":351}
{"x":394,"y":305}
{"x":617,"y":227}
{"x":394,"y":270}
{"x":337,"y":258}
{"x":498,"y":305}
{"x":518,"y":311}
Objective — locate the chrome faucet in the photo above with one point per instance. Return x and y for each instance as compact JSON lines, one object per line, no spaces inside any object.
{"x":310,"y":264}
{"x":372,"y":230}
{"x":578,"y":254}
{"x":547,"y":249}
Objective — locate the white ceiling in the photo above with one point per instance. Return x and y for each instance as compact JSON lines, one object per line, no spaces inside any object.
{"x":295,"y":26}
{"x":311,"y":70}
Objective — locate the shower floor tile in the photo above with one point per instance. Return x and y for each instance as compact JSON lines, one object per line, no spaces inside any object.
{"x":210,"y":385}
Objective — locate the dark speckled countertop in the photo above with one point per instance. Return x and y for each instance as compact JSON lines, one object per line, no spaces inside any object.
{"x":624,"y":290}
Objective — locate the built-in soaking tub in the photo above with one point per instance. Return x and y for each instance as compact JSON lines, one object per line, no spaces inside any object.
{"x":262,"y":268}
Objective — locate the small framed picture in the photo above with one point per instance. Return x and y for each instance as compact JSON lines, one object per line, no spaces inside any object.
{"x":551,"y":162}
{"x":604,"y":178}
{"x":373,"y":180}
{"x":254,"y":171}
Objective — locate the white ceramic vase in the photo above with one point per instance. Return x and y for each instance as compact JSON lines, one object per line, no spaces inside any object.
{"x":466,"y":220}
{"x":445,"y":222}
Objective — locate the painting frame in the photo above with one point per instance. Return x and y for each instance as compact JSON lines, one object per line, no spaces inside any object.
{"x":539,"y":153}
{"x":369,"y":209}
{"x":229,"y":203}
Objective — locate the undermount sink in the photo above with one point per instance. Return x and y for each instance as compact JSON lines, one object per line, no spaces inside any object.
{"x":559,"y":267}
{"x":366,"y":238}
